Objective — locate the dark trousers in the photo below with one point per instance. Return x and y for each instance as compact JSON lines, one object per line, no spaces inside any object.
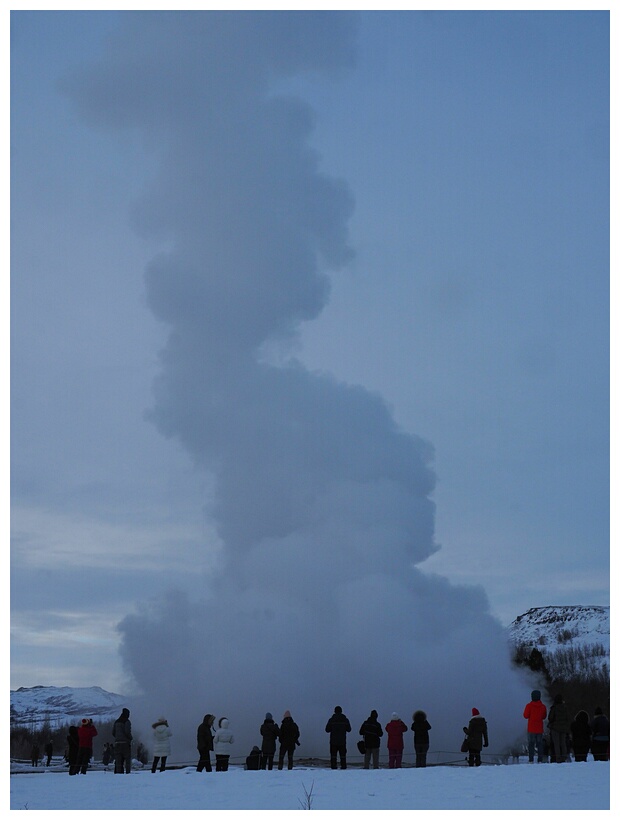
{"x":535,"y":745}
{"x":286,"y":750}
{"x":371,"y":754}
{"x":395,"y":758}
{"x":163,"y":764}
{"x":122,"y":758}
{"x":420,"y":754}
{"x":600,"y":749}
{"x":266,"y":760}
{"x":73,"y":764}
{"x":205,"y":761}
{"x":221,"y":763}
{"x":474,"y":757}
{"x":336,"y":749}
{"x":84,"y":756}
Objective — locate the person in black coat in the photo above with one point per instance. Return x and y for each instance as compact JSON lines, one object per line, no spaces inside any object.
{"x":420,"y":728}
{"x":477,"y":737}
{"x":580,"y":735}
{"x":338,"y":725}
{"x":73,"y":746}
{"x":372,"y":731}
{"x":204,"y":742}
{"x":252,"y":761}
{"x":270,"y":732}
{"x":121,"y":731}
{"x":600,"y":735}
{"x":289,"y":738}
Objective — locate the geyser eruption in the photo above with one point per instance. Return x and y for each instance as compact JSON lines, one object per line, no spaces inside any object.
{"x":321,"y":502}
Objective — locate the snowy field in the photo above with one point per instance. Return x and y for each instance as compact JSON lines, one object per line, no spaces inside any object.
{"x":546,"y":787}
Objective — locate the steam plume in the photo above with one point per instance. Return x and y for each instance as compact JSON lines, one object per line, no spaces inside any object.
{"x":321,"y":502}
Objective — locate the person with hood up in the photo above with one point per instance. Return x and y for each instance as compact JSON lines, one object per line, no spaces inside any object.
{"x":477,"y":737}
{"x":222,"y":742}
{"x":86,"y":733}
{"x":420,"y":728}
{"x":73,"y":747}
{"x":372,"y":732}
{"x":581,"y":735}
{"x":204,"y":742}
{"x":395,"y":730}
{"x":161,"y":744}
{"x":121,"y":732}
{"x":559,"y":724}
{"x":535,"y":713}
{"x":600,"y":735}
{"x":289,"y":738}
{"x":338,"y":725}
{"x":270,"y":732}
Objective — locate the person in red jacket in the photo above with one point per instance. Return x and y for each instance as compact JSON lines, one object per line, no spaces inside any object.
{"x":535,"y":712}
{"x":86,"y":733}
{"x":395,"y":730}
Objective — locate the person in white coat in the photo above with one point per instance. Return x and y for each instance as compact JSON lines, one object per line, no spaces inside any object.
{"x":221,"y":745}
{"x":161,"y":743}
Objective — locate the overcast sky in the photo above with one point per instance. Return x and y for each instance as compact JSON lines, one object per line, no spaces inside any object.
{"x":413,"y":211}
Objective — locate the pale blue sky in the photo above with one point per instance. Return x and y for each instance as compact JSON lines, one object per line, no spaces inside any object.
{"x":475,"y":147}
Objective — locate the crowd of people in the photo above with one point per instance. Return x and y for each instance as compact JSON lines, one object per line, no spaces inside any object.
{"x":581,"y":736}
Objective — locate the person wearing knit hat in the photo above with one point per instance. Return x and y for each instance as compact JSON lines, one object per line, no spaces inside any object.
{"x":86,"y":733}
{"x":270,"y":732}
{"x":395,"y":730}
{"x":372,"y":731}
{"x":289,"y":738}
{"x":535,"y":713}
{"x":477,"y":737}
{"x":121,"y":732}
{"x":337,"y":727}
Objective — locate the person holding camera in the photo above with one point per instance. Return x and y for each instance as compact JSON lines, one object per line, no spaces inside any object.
{"x":86,"y":733}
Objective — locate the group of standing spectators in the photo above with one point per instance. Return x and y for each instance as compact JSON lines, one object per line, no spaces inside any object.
{"x":580,"y":734}
{"x":219,"y":741}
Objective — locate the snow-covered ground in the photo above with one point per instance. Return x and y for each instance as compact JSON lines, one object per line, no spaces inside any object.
{"x":548,"y":786}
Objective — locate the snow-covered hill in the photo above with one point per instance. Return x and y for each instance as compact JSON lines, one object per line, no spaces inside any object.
{"x":32,"y":707}
{"x":554,"y":630}
{"x":581,"y":632}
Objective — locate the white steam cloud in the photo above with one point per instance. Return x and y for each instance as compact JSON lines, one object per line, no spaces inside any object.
{"x":321,"y":502}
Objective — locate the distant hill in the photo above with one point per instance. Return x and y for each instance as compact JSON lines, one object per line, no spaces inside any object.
{"x":567,"y":649}
{"x":33,"y":707}
{"x":571,"y":639}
